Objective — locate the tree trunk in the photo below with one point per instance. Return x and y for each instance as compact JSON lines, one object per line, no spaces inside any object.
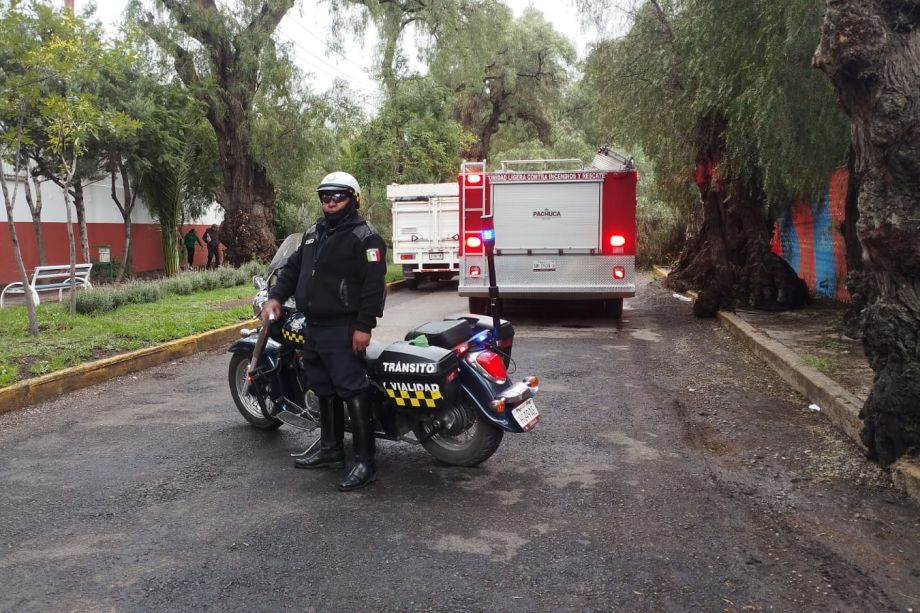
{"x":20,"y":266}
{"x":35,"y":208}
{"x":170,"y":243}
{"x":80,"y":207}
{"x":249,"y":196}
{"x":726,"y":256}
{"x":869,"y":49}
{"x":125,"y":209}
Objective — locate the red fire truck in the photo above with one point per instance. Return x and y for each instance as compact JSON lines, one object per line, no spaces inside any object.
{"x":564,"y":231}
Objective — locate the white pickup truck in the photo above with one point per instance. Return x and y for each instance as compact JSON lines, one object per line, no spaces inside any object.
{"x":426,"y":230}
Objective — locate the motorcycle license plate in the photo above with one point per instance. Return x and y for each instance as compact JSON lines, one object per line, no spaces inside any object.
{"x":526,"y":414}
{"x":436,"y":255}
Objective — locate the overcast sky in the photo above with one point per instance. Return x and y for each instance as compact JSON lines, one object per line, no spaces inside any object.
{"x":306,"y":26}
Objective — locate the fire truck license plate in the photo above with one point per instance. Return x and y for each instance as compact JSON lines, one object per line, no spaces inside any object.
{"x":526,"y":415}
{"x":436,"y":255}
{"x":544,"y":265}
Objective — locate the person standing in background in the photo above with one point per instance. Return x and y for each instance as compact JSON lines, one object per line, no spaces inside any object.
{"x":212,"y":240}
{"x":189,"y":240}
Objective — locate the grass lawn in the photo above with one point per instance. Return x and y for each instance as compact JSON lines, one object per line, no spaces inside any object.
{"x":394,"y":272}
{"x":68,"y":340}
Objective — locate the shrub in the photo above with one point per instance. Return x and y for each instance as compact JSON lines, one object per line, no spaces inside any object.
{"x":107,"y":298}
{"x":140,"y":293}
{"x":92,"y":300}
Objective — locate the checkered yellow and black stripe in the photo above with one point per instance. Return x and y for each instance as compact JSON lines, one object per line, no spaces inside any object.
{"x":415,"y":398}
{"x":293,"y":337}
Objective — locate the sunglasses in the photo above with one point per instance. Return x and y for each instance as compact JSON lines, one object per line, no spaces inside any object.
{"x":337,"y":198}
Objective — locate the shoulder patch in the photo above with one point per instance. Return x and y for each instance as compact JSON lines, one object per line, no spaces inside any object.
{"x":373,"y":255}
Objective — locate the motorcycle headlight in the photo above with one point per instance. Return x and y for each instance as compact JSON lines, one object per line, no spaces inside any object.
{"x":258,"y":302}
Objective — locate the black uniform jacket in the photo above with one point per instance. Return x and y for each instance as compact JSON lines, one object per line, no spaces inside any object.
{"x":337,"y":275}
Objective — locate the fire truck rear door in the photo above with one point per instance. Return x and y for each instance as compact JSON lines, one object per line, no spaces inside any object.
{"x":542,"y":216}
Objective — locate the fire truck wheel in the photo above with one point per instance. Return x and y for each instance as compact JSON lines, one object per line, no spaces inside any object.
{"x":614,"y":308}
{"x":479,"y":306}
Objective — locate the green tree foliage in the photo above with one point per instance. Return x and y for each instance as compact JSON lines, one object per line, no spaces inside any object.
{"x":49,"y":74}
{"x":691,"y":72}
{"x":504,"y":71}
{"x":410,"y":140}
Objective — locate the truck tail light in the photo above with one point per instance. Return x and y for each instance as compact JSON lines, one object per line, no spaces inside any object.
{"x":619,"y":272}
{"x":617,"y":240}
{"x":475,"y":271}
{"x":473,"y":179}
{"x":406,"y":256}
{"x":473,"y":242}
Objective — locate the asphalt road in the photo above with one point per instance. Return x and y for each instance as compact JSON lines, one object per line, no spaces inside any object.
{"x":671,"y":471}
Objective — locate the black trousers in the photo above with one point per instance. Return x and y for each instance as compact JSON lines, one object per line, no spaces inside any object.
{"x":191,"y":255}
{"x":215,"y":254}
{"x":329,"y":363}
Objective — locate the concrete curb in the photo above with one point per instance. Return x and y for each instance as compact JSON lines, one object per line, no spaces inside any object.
{"x":48,"y":386}
{"x":839,"y":405}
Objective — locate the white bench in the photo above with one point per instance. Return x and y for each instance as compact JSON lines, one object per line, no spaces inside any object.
{"x":46,"y":278}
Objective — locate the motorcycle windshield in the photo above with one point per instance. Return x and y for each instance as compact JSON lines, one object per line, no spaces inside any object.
{"x":287,"y":248}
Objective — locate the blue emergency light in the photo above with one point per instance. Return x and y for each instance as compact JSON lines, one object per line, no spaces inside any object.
{"x":488,"y":235}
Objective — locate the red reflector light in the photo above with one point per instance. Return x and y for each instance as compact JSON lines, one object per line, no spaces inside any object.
{"x":492,"y":364}
{"x":619,"y":272}
{"x":617,"y":241}
{"x":453,"y":375}
{"x":406,"y":256}
{"x":473,"y":242}
{"x":473,"y":179}
{"x":475,"y":271}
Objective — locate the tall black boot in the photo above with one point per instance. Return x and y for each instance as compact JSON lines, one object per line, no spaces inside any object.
{"x":331,"y":452}
{"x":365,"y":471}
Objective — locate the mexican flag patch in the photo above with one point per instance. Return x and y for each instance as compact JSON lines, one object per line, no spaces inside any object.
{"x":373,"y":255}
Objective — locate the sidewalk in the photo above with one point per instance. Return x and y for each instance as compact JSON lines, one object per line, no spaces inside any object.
{"x":808,"y":349}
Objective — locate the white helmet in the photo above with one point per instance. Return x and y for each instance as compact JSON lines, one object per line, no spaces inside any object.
{"x":341,"y":181}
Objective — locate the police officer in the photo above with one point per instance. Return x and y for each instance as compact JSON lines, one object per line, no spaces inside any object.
{"x":337,"y":279}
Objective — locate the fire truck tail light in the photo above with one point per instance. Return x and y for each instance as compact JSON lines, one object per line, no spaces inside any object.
{"x":473,"y":242}
{"x":475,"y":271}
{"x":617,"y":240}
{"x":619,"y":272}
{"x":473,"y":179}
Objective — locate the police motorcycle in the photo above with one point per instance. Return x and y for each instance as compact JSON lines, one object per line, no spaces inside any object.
{"x":446,"y":386}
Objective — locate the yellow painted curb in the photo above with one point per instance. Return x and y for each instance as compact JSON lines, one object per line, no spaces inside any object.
{"x":53,"y":384}
{"x":661,"y":270}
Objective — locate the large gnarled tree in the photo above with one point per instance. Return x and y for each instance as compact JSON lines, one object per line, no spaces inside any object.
{"x":869,"y":49}
{"x":225,"y":68}
{"x":721,"y":95}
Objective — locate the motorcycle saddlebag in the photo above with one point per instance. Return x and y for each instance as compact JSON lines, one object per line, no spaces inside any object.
{"x":447,"y":334}
{"x":418,"y":378}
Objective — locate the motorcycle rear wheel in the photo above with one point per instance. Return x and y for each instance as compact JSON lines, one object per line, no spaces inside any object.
{"x":473,"y":444}
{"x":247,"y":404}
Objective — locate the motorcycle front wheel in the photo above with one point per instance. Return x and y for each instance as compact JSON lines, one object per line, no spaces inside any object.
{"x":467,"y":441}
{"x":246,"y":403}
